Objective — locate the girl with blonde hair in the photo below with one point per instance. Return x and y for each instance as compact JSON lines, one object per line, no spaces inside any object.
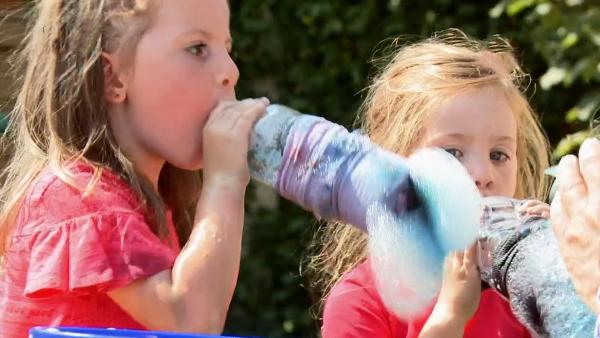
{"x":465,"y":96}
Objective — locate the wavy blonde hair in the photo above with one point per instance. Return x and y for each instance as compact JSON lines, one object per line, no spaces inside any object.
{"x":409,"y":88}
{"x":60,"y":115}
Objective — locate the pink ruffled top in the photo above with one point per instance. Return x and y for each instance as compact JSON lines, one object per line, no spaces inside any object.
{"x":67,"y":250}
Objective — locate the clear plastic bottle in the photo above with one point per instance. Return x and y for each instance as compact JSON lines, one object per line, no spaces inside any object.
{"x":324,"y":168}
{"x":341,"y":175}
{"x":411,"y":208}
{"x":519,"y":257}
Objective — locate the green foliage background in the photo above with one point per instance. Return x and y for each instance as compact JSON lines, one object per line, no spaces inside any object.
{"x":314,"y":56}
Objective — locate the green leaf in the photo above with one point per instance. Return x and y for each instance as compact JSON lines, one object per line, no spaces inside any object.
{"x":288,"y":326}
{"x":570,"y":143}
{"x":570,"y":40}
{"x":394,"y":4}
{"x":585,"y":68}
{"x":497,"y":10}
{"x":517,"y":6}
{"x":552,"y":77}
{"x":584,"y":109}
{"x":595,"y":37}
{"x":543,"y":9}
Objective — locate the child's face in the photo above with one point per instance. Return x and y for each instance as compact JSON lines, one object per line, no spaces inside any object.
{"x":182,"y":69}
{"x":479,"y":128}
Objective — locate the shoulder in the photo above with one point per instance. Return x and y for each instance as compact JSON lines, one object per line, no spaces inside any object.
{"x":354,"y":308}
{"x":69,"y":239}
{"x":494,"y":315}
{"x":356,"y":282}
{"x":53,"y":199}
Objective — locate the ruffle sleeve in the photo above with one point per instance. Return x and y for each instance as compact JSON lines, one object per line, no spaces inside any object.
{"x":94,"y":253}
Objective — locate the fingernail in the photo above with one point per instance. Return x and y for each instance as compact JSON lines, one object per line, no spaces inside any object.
{"x":265,"y":100}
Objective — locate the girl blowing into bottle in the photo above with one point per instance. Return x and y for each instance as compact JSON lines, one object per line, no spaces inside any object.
{"x":122,"y":102}
{"x":464,"y":96}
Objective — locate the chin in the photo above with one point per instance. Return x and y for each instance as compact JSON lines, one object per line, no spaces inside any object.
{"x":192,"y":166}
{"x":189,"y":167}
{"x":192,"y":163}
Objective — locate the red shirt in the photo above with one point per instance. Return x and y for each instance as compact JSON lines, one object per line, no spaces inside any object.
{"x":355,"y":309}
{"x":67,"y":250}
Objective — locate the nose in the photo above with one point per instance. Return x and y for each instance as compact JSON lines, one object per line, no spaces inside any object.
{"x":481,"y":172}
{"x":228,"y":74}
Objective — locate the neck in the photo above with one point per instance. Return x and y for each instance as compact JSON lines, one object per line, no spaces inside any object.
{"x":144,"y":161}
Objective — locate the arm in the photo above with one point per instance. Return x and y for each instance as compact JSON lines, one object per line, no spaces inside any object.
{"x":195,"y":295}
{"x":442,"y":325}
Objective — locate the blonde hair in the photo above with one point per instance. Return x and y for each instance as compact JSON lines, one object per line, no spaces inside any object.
{"x":60,"y":116}
{"x":413,"y":84}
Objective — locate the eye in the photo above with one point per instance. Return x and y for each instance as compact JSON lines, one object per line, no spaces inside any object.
{"x":198,"y":49}
{"x":499,"y":156}
{"x":454,"y":152}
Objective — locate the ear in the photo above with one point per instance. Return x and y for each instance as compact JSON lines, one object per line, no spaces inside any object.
{"x":115,"y":84}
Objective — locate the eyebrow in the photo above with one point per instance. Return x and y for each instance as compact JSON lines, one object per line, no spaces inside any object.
{"x":453,"y":135}
{"x":205,"y":34}
{"x":505,"y":139}
{"x":460,"y":136}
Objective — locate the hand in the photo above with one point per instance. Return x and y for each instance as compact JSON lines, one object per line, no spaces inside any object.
{"x":575,"y":217}
{"x":461,"y":286}
{"x":226,"y":138}
{"x":535,"y":208}
{"x":459,"y":296}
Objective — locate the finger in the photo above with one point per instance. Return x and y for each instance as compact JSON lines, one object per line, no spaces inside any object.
{"x":572,"y":189}
{"x":470,"y":254}
{"x":538,"y":210}
{"x":227,"y":113}
{"x":448,"y":262}
{"x":470,"y":257}
{"x":558,"y":218}
{"x":455,"y":269}
{"x":524,"y":206}
{"x":459,"y":258}
{"x":247,"y":118}
{"x":589,"y":165}
{"x":220,"y":112}
{"x":530,"y":203}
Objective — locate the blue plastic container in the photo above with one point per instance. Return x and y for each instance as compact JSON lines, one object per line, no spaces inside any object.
{"x":73,"y":332}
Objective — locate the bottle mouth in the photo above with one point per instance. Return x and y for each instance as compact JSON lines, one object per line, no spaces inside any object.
{"x":498,"y":211}
{"x":500,"y":219}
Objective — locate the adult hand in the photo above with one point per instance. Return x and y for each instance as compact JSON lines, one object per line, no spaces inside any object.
{"x":575,"y":218}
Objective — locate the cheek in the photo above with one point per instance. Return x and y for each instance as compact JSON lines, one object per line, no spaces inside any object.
{"x":508,"y":176}
{"x":194,"y":95}
{"x":176,"y":92}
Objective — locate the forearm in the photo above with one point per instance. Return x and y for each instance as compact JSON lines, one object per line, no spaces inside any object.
{"x":205,"y":273}
{"x":195,"y":294}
